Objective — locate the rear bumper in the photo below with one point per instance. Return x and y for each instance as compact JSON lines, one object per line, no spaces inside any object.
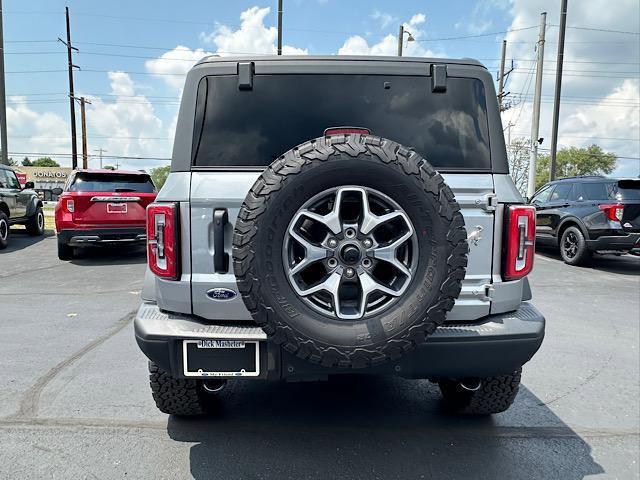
{"x":94,"y":236}
{"x":496,"y":346}
{"x":621,"y":243}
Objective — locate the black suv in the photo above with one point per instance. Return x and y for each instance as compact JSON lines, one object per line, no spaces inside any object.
{"x":18,"y":206}
{"x":582,"y":215}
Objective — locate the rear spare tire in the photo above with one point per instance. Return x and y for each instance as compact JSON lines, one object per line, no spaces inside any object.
{"x":349,"y":250}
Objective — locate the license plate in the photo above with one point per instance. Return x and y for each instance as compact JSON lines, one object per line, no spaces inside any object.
{"x":220,"y":358}
{"x":116,"y":208}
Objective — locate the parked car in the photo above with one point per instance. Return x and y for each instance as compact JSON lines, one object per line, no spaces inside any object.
{"x":286,"y":246}
{"x":102,"y":207}
{"x":18,"y":206}
{"x":583,"y":215}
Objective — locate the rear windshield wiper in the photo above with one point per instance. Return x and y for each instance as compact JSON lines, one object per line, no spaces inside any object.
{"x":124,"y":190}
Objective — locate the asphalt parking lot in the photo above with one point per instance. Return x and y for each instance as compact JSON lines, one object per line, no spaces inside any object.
{"x":74,"y":399}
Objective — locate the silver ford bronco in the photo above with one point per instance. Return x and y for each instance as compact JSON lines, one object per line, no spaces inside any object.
{"x":338,"y":215}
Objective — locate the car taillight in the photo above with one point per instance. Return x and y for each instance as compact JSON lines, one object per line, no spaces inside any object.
{"x":520,"y":236}
{"x":613,"y":212}
{"x":162,"y":239}
{"x":70,"y":206}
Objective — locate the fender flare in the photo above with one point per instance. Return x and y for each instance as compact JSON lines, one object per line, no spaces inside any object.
{"x":573,"y":220}
{"x":34,"y":203}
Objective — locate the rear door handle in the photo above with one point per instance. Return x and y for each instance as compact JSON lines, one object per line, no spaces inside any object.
{"x":220,"y":257}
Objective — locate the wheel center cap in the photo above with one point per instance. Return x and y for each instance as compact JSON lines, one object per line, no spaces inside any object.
{"x":350,"y":254}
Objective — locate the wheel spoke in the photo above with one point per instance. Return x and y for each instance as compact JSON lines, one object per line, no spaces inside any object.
{"x":313,"y":253}
{"x":388,"y":253}
{"x":331,"y":285}
{"x":370,"y":221}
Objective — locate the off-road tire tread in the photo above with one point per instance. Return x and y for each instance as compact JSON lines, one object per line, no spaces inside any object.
{"x":176,"y":396}
{"x":32,"y":224}
{"x":284,"y":170}
{"x":496,"y":394}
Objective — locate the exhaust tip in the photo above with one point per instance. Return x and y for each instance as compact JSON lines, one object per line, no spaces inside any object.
{"x":213,"y":386}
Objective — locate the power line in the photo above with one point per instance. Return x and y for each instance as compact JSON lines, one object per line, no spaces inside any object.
{"x":123,"y":157}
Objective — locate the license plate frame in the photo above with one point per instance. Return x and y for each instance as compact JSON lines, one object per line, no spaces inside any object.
{"x":120,"y":208}
{"x":220,"y":345}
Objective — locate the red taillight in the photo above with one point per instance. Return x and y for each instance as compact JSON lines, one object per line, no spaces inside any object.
{"x":613,"y":212}
{"x":345,"y":130}
{"x":519,"y":242}
{"x":70,"y":205}
{"x":162,"y":239}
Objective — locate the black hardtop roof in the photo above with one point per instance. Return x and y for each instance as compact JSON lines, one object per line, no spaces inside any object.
{"x":339,"y":58}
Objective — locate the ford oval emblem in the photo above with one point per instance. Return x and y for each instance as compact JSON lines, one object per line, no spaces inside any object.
{"x":221,"y":294}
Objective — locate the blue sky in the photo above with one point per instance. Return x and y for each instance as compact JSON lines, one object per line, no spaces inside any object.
{"x":134,"y":106}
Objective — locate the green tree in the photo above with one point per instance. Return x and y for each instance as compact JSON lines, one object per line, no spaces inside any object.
{"x":576,"y":161}
{"x":159,"y":175}
{"x":26,"y":162}
{"x":45,"y":162}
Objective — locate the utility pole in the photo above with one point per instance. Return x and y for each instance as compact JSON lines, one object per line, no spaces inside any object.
{"x":501,"y":78}
{"x":556,"y":99}
{"x":101,"y":150}
{"x":400,"y":37}
{"x":3,"y":105}
{"x":72,"y":106}
{"x":279,"y":27}
{"x":535,"y":120}
{"x":83,"y":119}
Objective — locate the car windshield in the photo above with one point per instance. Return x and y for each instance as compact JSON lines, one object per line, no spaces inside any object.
{"x":117,"y":182}
{"x":253,"y":127}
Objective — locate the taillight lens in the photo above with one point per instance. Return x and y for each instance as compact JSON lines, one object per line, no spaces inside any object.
{"x":613,"y":212}
{"x":70,"y":206}
{"x":162,"y":239}
{"x":520,"y":240}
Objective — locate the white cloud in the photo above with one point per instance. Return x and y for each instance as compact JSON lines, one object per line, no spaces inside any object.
{"x":597,"y":100}
{"x":31,"y":131}
{"x":384,"y":18}
{"x":129,"y":125}
{"x":252,"y":37}
{"x":171,"y":66}
{"x":357,"y":45}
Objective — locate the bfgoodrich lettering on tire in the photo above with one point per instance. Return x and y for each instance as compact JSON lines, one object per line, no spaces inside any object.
{"x":349,"y":250}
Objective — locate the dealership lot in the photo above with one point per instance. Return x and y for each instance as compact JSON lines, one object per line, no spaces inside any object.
{"x":74,"y":403}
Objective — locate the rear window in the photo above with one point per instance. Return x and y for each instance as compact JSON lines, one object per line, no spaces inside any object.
{"x":250,"y":128}
{"x":617,"y":190}
{"x":92,"y":182}
{"x":628,"y":190}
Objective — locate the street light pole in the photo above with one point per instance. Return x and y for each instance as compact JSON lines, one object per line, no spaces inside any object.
{"x":3,"y":105}
{"x":401,"y":39}
{"x":279,"y":27}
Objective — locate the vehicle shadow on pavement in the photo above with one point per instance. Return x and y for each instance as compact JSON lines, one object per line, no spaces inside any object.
{"x":110,"y":255}
{"x":623,"y":264}
{"x":371,"y":427}
{"x":19,"y":239}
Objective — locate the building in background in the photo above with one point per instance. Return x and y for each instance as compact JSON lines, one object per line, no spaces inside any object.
{"x":44,"y":179}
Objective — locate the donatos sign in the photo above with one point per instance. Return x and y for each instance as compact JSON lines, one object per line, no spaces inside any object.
{"x":50,"y":174}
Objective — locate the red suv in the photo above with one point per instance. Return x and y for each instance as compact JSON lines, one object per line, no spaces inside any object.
{"x":102,"y":207}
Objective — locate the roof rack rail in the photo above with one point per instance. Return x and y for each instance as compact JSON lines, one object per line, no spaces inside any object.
{"x":580,"y":176}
